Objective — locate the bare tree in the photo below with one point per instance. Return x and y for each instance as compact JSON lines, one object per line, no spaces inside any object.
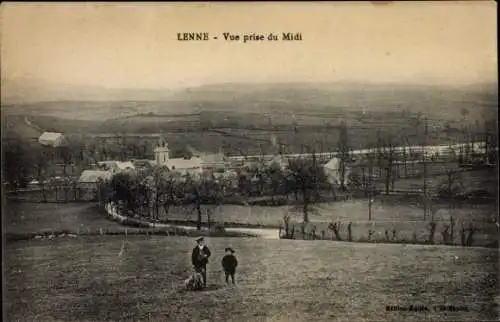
{"x":202,"y":191}
{"x":369,"y":187}
{"x":424,"y":156}
{"x":64,"y":153}
{"x":451,"y":188}
{"x":41,"y":164}
{"x":343,"y":148}
{"x":277,"y":179}
{"x":171,"y":190}
{"x":405,"y":159}
{"x":387,"y":157}
{"x":305,"y":176}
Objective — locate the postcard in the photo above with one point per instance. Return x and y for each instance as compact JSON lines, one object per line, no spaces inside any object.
{"x":250,"y":161}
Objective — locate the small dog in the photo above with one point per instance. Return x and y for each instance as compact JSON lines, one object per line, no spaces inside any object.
{"x":194,"y":282}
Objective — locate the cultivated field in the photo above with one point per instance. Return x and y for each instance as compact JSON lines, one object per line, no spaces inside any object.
{"x":298,"y":115}
{"x":110,"y":278}
{"x":469,"y":181}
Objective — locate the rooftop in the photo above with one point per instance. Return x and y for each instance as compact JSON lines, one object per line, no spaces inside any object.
{"x":93,"y":176}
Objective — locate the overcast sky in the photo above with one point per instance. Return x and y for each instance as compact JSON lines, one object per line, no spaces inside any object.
{"x":132,"y":45}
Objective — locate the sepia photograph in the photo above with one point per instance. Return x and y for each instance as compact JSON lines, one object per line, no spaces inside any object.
{"x":250,"y":161}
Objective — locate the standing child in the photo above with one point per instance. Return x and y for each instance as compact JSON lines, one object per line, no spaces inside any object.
{"x":229,"y":264}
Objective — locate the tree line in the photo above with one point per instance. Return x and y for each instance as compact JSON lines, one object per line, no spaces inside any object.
{"x":147,"y":191}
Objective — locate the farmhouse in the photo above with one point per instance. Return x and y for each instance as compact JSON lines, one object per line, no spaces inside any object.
{"x":52,"y":139}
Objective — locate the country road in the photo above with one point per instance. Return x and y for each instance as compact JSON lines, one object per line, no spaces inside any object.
{"x":266,"y":233}
{"x":28,"y":218}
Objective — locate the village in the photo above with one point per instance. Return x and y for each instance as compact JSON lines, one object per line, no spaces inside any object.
{"x":339,"y":168}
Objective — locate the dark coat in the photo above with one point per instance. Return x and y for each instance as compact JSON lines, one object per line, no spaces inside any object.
{"x":229,"y":263}
{"x":200,"y":258}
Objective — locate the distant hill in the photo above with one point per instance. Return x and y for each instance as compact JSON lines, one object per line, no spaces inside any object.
{"x":281,"y":100}
{"x":26,"y":90}
{"x":439,"y":101}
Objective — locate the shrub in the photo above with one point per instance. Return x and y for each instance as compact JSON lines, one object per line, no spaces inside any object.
{"x":370,"y":234}
{"x":446,"y":235}
{"x":432,"y":231}
{"x":414,"y":237}
{"x":470,"y":237}
{"x":335,"y":228}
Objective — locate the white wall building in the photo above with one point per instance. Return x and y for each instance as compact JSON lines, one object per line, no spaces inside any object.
{"x":52,"y":139}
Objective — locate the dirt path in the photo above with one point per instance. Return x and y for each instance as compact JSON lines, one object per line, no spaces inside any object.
{"x":266,"y":233}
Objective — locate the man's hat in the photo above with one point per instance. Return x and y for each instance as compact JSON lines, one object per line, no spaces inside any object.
{"x":199,"y":239}
{"x":229,"y":249}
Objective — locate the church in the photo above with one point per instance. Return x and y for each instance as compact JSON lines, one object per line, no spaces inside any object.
{"x":182,"y":165}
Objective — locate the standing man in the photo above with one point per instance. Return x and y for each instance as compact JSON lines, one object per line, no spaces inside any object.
{"x":199,"y":258}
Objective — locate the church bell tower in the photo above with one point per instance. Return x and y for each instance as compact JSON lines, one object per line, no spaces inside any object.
{"x":161,"y":152}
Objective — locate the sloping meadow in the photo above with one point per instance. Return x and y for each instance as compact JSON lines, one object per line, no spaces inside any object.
{"x":118,"y":278}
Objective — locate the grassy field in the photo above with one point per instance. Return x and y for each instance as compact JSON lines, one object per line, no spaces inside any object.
{"x":277,"y":280}
{"x":406,"y":219}
{"x":353,"y":210}
{"x":25,"y":221}
{"x":19,"y":217}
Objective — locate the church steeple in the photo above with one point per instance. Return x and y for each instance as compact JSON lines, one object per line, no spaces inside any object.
{"x":161,"y":151}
